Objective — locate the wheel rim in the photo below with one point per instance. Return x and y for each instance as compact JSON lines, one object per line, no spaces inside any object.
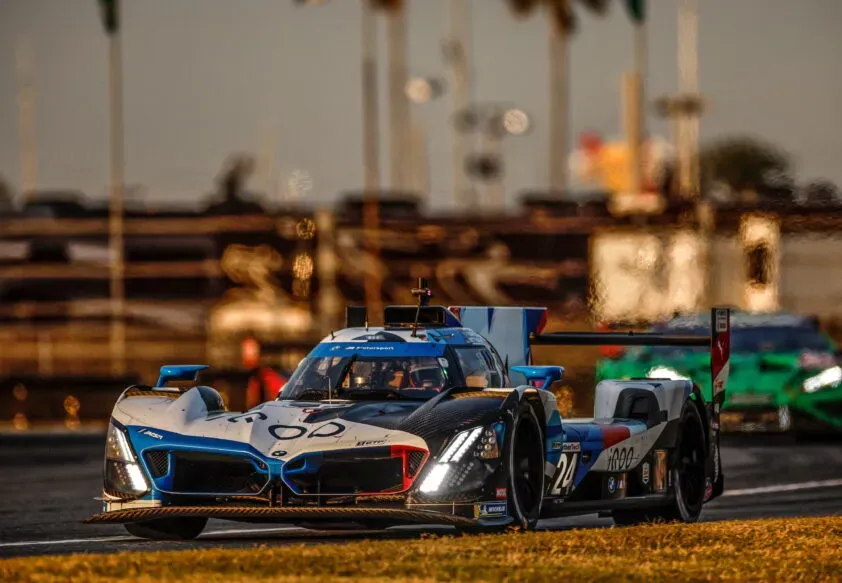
{"x":526,"y":476}
{"x":691,"y":470}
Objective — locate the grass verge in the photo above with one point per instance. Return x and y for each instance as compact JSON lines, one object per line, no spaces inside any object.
{"x":808,"y":549}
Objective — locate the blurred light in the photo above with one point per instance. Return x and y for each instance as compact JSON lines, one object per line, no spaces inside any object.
{"x":71,"y":407}
{"x":251,"y":352}
{"x":299,"y":184}
{"x":516,"y":122}
{"x":302,"y":266}
{"x":419,"y":90}
{"x":20,"y":393}
{"x":20,"y":422}
{"x":305,"y":228}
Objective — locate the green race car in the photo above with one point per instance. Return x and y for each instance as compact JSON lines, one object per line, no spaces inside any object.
{"x":785,"y":373}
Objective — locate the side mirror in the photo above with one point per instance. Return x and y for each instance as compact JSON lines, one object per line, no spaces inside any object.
{"x":540,"y":377}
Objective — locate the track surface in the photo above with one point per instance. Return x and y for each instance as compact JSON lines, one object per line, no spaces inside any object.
{"x":48,"y":486}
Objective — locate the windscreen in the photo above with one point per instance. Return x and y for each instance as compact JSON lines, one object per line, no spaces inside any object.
{"x":364,"y":377}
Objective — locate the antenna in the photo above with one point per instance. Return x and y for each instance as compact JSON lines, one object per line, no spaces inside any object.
{"x":423,"y":293}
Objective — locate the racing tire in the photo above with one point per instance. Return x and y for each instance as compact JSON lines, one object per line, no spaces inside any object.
{"x":687,"y":472}
{"x":524,"y":459}
{"x":183,"y":528}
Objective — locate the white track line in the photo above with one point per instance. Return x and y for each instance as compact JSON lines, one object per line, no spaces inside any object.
{"x":784,"y":488}
{"x":71,"y":541}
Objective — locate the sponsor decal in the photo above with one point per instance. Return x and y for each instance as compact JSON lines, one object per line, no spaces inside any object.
{"x":621,"y":459}
{"x":571,"y":446}
{"x":644,"y":473}
{"x":279,"y":453}
{"x":285,"y":432}
{"x":661,"y":474}
{"x":501,"y":493}
{"x":556,"y":445}
{"x":752,"y":398}
{"x":150,"y":433}
{"x":612,"y":484}
{"x":721,"y":321}
{"x":370,"y":442}
{"x":566,"y":470}
{"x":621,"y":483}
{"x":491,"y":509}
{"x":248,"y":417}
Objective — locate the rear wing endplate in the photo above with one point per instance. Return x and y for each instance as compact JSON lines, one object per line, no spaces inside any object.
{"x":719,"y":342}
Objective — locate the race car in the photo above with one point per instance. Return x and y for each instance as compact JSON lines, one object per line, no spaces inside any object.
{"x":437,"y":417}
{"x":785,"y":376}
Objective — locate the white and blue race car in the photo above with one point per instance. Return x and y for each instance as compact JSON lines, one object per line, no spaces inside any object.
{"x":438,"y":417}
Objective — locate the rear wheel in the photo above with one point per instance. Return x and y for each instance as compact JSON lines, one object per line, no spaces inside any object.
{"x":687,"y":474}
{"x":183,"y":528}
{"x":525,"y":463}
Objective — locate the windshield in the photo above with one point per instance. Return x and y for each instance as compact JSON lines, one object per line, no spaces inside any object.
{"x":365,"y":377}
{"x":758,"y":339}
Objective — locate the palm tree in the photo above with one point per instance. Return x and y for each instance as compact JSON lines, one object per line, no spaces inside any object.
{"x":562,"y":24}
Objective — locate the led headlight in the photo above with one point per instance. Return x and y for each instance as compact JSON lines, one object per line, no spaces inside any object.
{"x":664,"y":372}
{"x":123,"y":475}
{"x":484,"y":442}
{"x":830,"y":377}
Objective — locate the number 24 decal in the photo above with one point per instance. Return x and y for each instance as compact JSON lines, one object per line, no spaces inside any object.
{"x":566,"y":470}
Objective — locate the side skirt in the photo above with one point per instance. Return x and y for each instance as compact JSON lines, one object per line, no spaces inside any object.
{"x":556,"y":507}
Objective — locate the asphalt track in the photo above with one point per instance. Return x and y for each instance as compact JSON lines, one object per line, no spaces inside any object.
{"x":48,"y":485}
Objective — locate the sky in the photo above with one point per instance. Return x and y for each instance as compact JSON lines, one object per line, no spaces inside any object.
{"x":205,"y":78}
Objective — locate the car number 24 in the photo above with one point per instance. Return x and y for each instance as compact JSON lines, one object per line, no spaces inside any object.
{"x":566,"y":469}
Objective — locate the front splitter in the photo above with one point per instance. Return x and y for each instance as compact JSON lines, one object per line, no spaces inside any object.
{"x":281,"y":514}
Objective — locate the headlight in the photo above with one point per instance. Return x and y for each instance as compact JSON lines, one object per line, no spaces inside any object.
{"x":483,"y":442}
{"x":123,"y":475}
{"x":664,"y":372}
{"x":117,"y":446}
{"x":830,"y":377}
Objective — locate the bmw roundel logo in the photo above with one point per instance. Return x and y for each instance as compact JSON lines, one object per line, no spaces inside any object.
{"x":612,"y":484}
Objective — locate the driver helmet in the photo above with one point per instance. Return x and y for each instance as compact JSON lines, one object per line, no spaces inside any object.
{"x":426,"y":376}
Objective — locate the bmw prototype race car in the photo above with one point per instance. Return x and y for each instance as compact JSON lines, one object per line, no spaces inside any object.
{"x":784,"y":372}
{"x":438,"y":417}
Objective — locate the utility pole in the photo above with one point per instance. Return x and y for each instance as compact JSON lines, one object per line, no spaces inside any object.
{"x":558,"y":75}
{"x":371,"y":153}
{"x":637,"y":133}
{"x":399,"y":114}
{"x":457,"y":56}
{"x":26,"y":109}
{"x":111,"y":20}
{"x":688,"y":79}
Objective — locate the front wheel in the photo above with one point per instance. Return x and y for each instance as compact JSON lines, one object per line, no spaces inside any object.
{"x":687,"y":474}
{"x":524,"y":458}
{"x":183,"y":528}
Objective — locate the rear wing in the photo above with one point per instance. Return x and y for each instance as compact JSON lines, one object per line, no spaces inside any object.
{"x":719,"y":342}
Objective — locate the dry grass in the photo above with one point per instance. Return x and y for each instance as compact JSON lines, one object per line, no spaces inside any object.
{"x":804,"y":549}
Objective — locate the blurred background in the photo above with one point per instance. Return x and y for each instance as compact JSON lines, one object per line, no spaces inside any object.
{"x":209,"y":181}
